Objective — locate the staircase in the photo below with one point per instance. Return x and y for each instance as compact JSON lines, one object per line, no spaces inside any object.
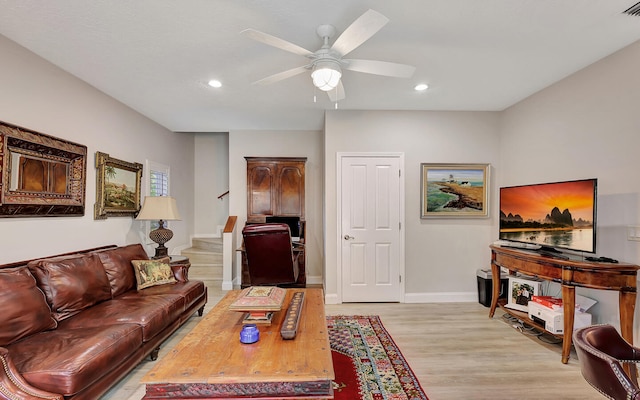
{"x":205,"y":256}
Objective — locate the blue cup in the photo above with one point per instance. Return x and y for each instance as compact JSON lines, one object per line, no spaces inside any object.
{"x":249,"y":334}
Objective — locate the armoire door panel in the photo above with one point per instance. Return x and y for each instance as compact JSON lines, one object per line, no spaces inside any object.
{"x":291,"y":194}
{"x":261,"y":190}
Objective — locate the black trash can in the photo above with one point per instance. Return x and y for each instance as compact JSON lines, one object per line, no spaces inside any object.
{"x":485,"y":287}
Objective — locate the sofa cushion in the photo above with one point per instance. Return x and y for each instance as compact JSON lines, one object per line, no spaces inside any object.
{"x":24,"y":307}
{"x":117,"y":265}
{"x":71,"y":283}
{"x":190,"y":291}
{"x":152,"y":272}
{"x":67,"y":361}
{"x":152,"y":313}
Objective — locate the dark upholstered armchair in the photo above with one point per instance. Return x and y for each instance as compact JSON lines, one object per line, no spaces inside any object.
{"x":602,"y":352}
{"x":270,"y":257}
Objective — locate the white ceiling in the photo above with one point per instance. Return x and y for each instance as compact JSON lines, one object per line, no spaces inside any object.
{"x":156,"y":56}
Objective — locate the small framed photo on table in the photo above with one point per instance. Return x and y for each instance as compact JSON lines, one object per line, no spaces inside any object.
{"x":521,"y":291}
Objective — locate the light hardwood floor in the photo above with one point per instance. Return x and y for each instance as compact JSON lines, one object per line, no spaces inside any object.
{"x":455,"y":350}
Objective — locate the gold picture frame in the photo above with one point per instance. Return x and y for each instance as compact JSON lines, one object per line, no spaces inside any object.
{"x":40,"y":175}
{"x":454,"y":190}
{"x":117,"y":187}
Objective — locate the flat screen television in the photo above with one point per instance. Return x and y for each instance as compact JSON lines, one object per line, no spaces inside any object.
{"x":558,"y":215}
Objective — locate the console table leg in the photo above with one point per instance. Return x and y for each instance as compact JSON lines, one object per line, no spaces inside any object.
{"x":627,"y":304}
{"x":495,"y":279}
{"x":569,"y":303}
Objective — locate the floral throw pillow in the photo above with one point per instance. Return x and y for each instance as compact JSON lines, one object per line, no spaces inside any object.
{"x":152,"y":272}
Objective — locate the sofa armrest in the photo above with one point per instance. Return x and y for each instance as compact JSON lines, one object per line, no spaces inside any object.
{"x":14,"y":387}
{"x":181,"y":272}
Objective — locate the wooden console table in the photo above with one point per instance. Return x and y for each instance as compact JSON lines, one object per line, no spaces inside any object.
{"x":570,"y":274}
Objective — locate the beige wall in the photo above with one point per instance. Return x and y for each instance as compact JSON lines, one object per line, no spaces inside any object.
{"x":41,"y":97}
{"x":441,"y":255}
{"x":585,"y":126}
{"x":211,"y":175}
{"x":281,"y":144}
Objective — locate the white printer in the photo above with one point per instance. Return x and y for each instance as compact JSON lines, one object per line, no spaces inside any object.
{"x":553,"y":320}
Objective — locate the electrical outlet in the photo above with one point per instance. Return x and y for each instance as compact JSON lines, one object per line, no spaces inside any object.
{"x":633,"y":232}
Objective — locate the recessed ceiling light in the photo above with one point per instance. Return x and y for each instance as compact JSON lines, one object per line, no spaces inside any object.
{"x":215,"y":83}
{"x":421,"y":87}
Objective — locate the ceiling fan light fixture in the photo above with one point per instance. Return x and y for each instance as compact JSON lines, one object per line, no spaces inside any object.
{"x":326,"y":75}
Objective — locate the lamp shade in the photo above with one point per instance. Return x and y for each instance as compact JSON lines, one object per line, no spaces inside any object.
{"x":159,"y":208}
{"x":326,"y":75}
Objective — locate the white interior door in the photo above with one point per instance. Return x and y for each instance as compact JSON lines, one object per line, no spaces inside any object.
{"x":370,"y":231}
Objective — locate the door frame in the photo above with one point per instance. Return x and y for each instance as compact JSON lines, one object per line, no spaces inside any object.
{"x":401,"y":217}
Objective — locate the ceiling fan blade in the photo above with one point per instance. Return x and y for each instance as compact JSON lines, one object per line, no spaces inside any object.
{"x":337,"y":93}
{"x":281,"y":76}
{"x":380,"y":68}
{"x":275,"y":42}
{"x":359,"y":31}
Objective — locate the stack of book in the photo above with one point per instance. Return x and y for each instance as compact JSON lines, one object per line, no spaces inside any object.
{"x":554,"y":303}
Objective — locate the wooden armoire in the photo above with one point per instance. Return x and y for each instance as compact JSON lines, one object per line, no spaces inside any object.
{"x":275,"y":187}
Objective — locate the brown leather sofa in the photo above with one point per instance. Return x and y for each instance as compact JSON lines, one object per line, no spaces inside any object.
{"x":74,"y":325}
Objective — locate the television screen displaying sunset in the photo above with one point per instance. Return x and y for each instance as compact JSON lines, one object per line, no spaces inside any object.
{"x":560,"y":214}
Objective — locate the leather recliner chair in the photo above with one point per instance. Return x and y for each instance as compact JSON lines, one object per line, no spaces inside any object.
{"x":602,"y":352}
{"x":270,"y":257}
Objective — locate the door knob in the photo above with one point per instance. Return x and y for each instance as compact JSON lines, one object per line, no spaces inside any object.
{"x":347,"y":237}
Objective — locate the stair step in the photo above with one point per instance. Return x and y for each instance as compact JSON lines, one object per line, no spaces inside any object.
{"x":205,"y":272}
{"x":203,"y":258}
{"x":211,"y":244}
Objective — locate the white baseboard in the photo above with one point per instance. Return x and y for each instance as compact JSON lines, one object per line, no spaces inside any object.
{"x":227,"y":285}
{"x":176,"y":251}
{"x":441,"y":297}
{"x":331,"y":299}
{"x":314,"y":280}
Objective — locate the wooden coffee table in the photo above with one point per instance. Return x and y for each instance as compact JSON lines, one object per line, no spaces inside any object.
{"x":211,"y":363}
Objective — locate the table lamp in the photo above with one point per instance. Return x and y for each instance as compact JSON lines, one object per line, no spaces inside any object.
{"x":160,"y":208}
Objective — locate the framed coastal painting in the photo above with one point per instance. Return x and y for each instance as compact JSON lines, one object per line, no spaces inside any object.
{"x":117,"y":187}
{"x":454,"y":190}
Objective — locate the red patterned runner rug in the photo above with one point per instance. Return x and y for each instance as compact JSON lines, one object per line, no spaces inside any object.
{"x":368,"y":364}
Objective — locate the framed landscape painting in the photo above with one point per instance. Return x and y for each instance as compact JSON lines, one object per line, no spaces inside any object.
{"x":118,"y":187}
{"x":454,"y":190}
{"x":40,"y":175}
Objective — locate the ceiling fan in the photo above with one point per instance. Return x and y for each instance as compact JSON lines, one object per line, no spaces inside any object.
{"x":327,"y":62}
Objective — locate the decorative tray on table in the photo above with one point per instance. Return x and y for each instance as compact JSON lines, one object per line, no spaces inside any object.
{"x":259,"y":302}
